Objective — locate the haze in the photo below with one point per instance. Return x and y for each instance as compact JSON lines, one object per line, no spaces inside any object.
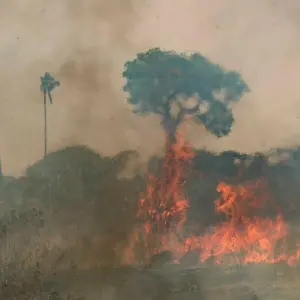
{"x":85,"y":44}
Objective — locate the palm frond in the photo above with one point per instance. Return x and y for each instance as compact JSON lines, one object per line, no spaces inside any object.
{"x":48,"y":84}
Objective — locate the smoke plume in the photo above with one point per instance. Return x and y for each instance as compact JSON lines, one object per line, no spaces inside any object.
{"x":84,"y":44}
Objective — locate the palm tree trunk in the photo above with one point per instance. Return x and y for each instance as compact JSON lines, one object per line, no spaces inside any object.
{"x":45,"y":124}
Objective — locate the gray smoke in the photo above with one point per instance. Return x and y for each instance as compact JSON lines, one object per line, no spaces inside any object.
{"x":85,"y":43}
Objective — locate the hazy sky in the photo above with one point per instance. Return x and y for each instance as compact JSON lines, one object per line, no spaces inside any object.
{"x":85,"y":43}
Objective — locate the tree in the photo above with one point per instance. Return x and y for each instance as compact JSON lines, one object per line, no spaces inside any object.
{"x":162,"y":82}
{"x":48,"y":84}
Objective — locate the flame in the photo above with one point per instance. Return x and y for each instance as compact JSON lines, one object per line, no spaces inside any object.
{"x":162,"y":208}
{"x":245,"y":233}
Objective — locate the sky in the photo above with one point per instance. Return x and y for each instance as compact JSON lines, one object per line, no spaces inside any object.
{"x":85,"y":44}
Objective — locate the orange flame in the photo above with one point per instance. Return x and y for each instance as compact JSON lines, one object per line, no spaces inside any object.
{"x":162,"y":209}
{"x":256,"y":239}
{"x":245,"y":232}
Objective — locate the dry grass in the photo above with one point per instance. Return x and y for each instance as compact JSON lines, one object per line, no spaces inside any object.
{"x":30,"y":249}
{"x":38,"y":260}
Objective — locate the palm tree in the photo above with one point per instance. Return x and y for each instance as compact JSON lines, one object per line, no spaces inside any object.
{"x":48,"y":84}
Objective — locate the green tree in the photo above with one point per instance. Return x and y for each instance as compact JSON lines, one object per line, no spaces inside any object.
{"x":48,"y":84}
{"x":164,"y":82}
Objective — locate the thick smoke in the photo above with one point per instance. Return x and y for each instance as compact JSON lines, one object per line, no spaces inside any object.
{"x":85,"y":43}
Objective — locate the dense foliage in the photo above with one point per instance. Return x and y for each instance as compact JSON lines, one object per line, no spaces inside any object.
{"x":156,"y":80}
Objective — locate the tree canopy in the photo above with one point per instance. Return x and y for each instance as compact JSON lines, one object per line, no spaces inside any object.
{"x":48,"y":84}
{"x":156,"y":80}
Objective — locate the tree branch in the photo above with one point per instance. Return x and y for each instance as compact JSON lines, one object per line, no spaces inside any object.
{"x":193,"y":110}
{"x":185,"y":111}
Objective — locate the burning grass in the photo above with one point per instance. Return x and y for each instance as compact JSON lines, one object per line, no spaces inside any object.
{"x":251,"y":230}
{"x":246,"y":232}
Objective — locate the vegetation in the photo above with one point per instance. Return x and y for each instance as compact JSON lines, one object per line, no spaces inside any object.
{"x":48,"y":84}
{"x":72,"y":211}
{"x":176,"y":86}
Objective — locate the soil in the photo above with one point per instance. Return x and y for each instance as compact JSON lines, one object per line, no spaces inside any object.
{"x":250,"y":282}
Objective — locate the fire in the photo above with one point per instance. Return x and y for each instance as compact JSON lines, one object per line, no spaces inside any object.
{"x":162,"y":208}
{"x":245,"y":233}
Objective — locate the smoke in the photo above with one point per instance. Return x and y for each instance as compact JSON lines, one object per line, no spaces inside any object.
{"x":85,"y":44}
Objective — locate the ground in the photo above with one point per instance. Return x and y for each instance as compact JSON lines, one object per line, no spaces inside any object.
{"x":251,"y":282}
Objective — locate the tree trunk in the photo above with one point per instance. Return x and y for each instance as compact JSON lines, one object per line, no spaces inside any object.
{"x":45,"y":125}
{"x":170,"y":126}
{"x":171,"y":123}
